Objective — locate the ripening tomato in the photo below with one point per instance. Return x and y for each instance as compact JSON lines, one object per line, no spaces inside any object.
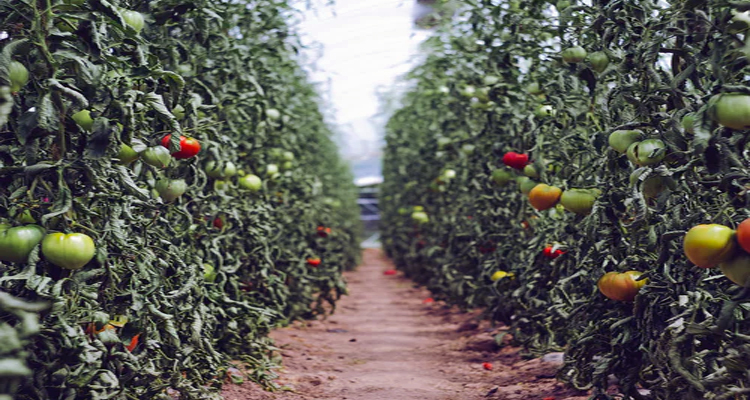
{"x":621,"y":286}
{"x":16,"y":243}
{"x":708,"y":245}
{"x":189,"y":147}
{"x":544,"y":196}
{"x":515,"y":160}
{"x":69,"y":251}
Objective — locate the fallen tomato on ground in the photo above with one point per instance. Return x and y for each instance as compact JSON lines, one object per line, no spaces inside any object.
{"x":487,"y":366}
{"x":390,"y":272}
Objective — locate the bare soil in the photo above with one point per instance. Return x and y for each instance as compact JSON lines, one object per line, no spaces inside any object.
{"x":386,"y":340}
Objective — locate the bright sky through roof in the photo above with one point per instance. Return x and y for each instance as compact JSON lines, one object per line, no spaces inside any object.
{"x":366,"y":45}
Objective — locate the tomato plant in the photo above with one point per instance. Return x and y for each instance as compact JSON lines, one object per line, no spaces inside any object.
{"x":69,"y":251}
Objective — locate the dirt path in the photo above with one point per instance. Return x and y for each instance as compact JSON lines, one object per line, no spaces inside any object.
{"x":386,"y":342}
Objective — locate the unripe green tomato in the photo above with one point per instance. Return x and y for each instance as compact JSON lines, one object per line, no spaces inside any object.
{"x":272,"y":169}
{"x":217,"y":170}
{"x":287,"y":156}
{"x":83,"y":119}
{"x":688,"y":123}
{"x":170,"y":189}
{"x":71,"y":251}
{"x":157,"y":156}
{"x":731,"y":110}
{"x":449,"y":174}
{"x":468,"y":148}
{"x":501,"y":177}
{"x":16,"y":243}
{"x":209,"y":273}
{"x":530,"y":171}
{"x":221,"y":185}
{"x":533,"y":88}
{"x":250,"y":182}
{"x":620,"y":140}
{"x":178,"y":111}
{"x":18,"y":76}
{"x":417,"y":208}
{"x":574,"y":54}
{"x":490,"y":80}
{"x":599,"y":61}
{"x":562,"y":4}
{"x":126,"y":155}
{"x":273,"y":114}
{"x":647,"y":152}
{"x":420,"y":217}
{"x":134,"y":19}
{"x":544,"y":111}
{"x":468,"y":91}
{"x":579,"y":201}
{"x":525,"y":184}
{"x":483,"y":95}
{"x":287,"y":165}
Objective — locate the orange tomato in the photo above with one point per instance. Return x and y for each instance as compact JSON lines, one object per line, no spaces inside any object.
{"x":621,"y":286}
{"x":544,"y":196}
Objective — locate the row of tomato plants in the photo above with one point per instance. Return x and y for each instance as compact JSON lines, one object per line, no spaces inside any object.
{"x":570,"y":167}
{"x":169,"y":192}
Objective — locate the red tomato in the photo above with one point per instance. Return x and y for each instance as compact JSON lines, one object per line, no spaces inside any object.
{"x":390,"y":272}
{"x":313,"y":261}
{"x":743,"y":235}
{"x":552,"y":254}
{"x":428,"y":300}
{"x":189,"y":147}
{"x":487,"y":366}
{"x":323,"y":231}
{"x":515,"y":160}
{"x":218,"y":223}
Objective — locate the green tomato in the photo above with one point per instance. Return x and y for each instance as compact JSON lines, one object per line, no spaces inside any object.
{"x":468,"y":148}
{"x":468,"y":91}
{"x":647,"y":152}
{"x":483,"y":95}
{"x":417,"y":208}
{"x":530,"y":171}
{"x":69,"y":251}
{"x":273,"y":114}
{"x":525,"y":184}
{"x":83,"y":119}
{"x":287,"y":165}
{"x":126,"y":155}
{"x":272,"y":169}
{"x":287,"y":156}
{"x":449,"y":174}
{"x":18,"y":76}
{"x":16,"y":243}
{"x":574,"y":54}
{"x":501,"y":177}
{"x":562,"y":4}
{"x":403,"y":211}
{"x":170,"y":189}
{"x":420,"y":217}
{"x":134,"y":19}
{"x":157,"y":156}
{"x":544,"y":111}
{"x":688,"y":123}
{"x":490,"y":80}
{"x":217,"y":170}
{"x":620,"y":140}
{"x":599,"y":61}
{"x":209,"y":273}
{"x":731,"y":110}
{"x":579,"y":201}
{"x":534,"y":88}
{"x":250,"y":182}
